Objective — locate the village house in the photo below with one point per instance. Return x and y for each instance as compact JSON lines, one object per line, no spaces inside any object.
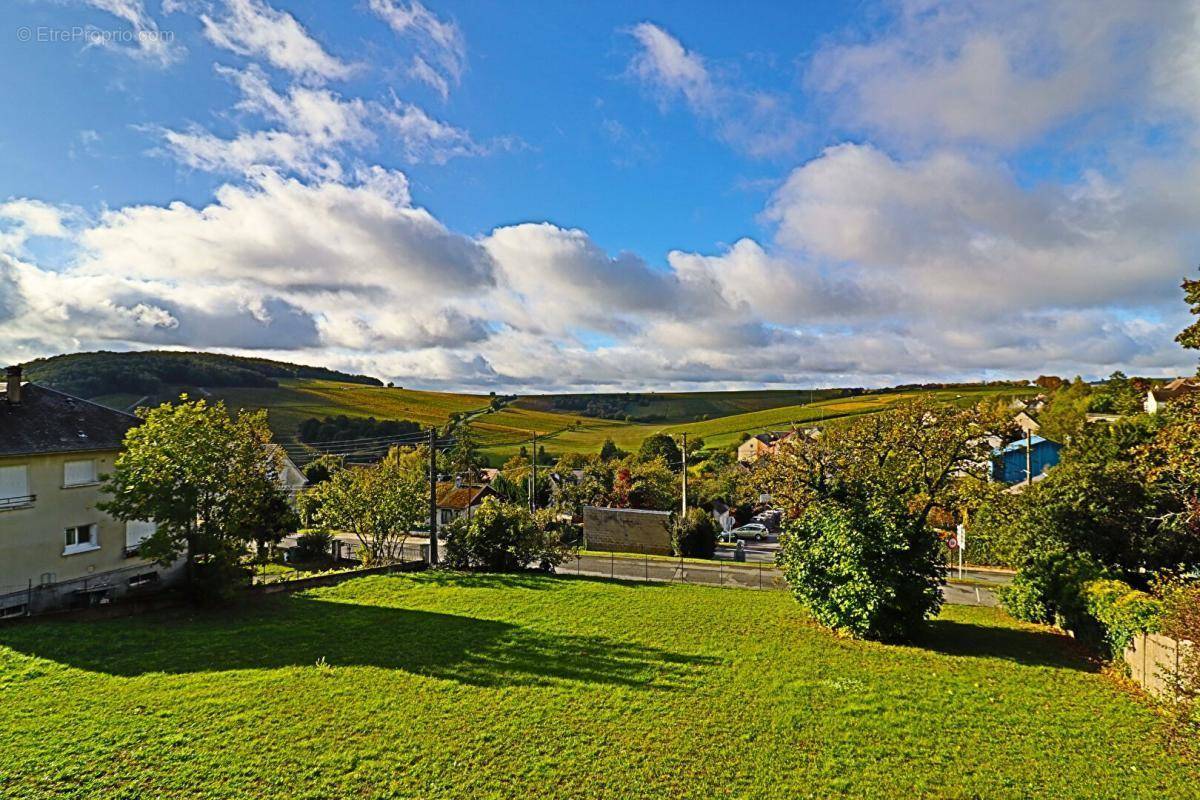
{"x":456,"y":500}
{"x":56,"y":548}
{"x":1157,"y":397}
{"x":762,"y":444}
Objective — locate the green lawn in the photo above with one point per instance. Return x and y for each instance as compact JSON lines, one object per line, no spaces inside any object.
{"x":512,"y":686}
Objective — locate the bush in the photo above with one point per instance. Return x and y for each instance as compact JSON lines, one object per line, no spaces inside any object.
{"x":1181,"y":620}
{"x":864,"y":568}
{"x":314,"y":546}
{"x":504,"y":537}
{"x":1122,"y":611}
{"x":695,"y":535}
{"x":1048,"y":588}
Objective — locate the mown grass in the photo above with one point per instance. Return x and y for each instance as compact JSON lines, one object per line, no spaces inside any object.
{"x":513,"y":686}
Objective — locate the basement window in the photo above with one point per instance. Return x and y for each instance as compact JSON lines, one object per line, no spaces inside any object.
{"x":8,"y":612}
{"x":143,"y":579}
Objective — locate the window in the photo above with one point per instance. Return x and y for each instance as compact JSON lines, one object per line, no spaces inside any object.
{"x":12,"y":611}
{"x":143,"y":579}
{"x":80,"y":539}
{"x":14,"y":486}
{"x":79,"y":473}
{"x":136,"y":532}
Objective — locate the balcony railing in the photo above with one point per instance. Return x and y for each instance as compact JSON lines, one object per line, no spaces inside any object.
{"x":17,"y":502}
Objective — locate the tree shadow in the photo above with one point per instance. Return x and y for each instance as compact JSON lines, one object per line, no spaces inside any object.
{"x":300,"y":631}
{"x":1028,"y":646}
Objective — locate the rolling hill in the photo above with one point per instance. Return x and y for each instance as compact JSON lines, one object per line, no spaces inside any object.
{"x":293,"y":393}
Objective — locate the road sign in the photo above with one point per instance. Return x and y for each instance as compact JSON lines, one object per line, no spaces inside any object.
{"x":952,"y":543}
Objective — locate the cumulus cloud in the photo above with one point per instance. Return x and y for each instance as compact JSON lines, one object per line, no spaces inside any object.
{"x":962,"y":237}
{"x":1003,"y":74}
{"x":761,"y":124}
{"x":441,"y":51}
{"x":254,"y":29}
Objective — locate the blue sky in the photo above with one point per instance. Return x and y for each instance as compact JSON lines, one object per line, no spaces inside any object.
{"x":603,"y":195}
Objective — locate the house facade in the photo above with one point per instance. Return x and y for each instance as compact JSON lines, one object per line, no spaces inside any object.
{"x":761,"y":444}
{"x":57,"y":549}
{"x":1159,"y":397}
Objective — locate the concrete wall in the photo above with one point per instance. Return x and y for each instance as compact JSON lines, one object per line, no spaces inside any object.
{"x":32,"y":538}
{"x":627,"y":530}
{"x":1154,"y":662}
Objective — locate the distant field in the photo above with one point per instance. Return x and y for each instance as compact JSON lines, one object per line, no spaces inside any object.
{"x":504,"y":432}
{"x":675,"y":407}
{"x":516,"y":686}
{"x":297,"y":400}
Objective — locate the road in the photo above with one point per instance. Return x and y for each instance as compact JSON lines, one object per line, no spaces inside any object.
{"x":759,"y":573}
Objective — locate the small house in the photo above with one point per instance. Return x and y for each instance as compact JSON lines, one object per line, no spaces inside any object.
{"x":456,"y":500}
{"x":1158,"y":397}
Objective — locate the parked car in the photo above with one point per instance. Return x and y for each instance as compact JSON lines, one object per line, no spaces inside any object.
{"x":751,"y":530}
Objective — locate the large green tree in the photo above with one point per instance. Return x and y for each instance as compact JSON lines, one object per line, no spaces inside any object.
{"x":209,"y":481}
{"x":380,"y":504}
{"x":858,"y":549}
{"x":661,"y":445}
{"x":1189,"y":337}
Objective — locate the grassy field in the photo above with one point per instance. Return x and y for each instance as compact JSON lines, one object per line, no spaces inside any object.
{"x":674,"y":407}
{"x":512,"y":686}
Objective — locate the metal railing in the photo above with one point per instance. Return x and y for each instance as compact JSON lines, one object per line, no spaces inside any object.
{"x":17,"y":502}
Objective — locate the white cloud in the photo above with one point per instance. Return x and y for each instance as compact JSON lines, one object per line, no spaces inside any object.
{"x":144,"y":41}
{"x":316,"y":128}
{"x":254,"y":29}
{"x":1004,"y":74}
{"x":441,"y":51}
{"x":961,"y":237}
{"x":758,"y":123}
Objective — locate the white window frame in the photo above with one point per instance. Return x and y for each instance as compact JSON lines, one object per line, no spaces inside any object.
{"x":92,"y":543}
{"x":93,"y":474}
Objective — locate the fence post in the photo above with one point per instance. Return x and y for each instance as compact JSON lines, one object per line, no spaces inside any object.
{"x":760,"y":575}
{"x":721,"y":574}
{"x":646,"y":563}
{"x":612,"y":563}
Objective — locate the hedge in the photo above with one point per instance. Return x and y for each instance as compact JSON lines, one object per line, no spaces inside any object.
{"x":1121,"y":611}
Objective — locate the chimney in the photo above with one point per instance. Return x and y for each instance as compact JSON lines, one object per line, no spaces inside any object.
{"x":13,"y":388}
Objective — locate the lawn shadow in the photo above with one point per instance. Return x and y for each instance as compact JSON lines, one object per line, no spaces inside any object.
{"x":301,"y":630}
{"x":1028,"y":646}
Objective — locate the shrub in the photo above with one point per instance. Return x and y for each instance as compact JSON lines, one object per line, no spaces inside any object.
{"x":695,"y":534}
{"x":1181,"y":620}
{"x":314,"y":546}
{"x":1048,"y":588}
{"x":1122,"y":611}
{"x":864,"y":568}
{"x":504,"y":537}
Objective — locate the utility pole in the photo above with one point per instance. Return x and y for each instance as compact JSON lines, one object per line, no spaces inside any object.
{"x":433,"y":540}
{"x":684,"y":450}
{"x":1028,"y":457}
{"x":533,"y":477}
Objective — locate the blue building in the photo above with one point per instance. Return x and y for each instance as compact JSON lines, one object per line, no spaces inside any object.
{"x":1009,"y":463}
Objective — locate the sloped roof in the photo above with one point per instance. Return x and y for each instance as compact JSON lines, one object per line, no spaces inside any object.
{"x":49,"y":421}
{"x":459,"y":497}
